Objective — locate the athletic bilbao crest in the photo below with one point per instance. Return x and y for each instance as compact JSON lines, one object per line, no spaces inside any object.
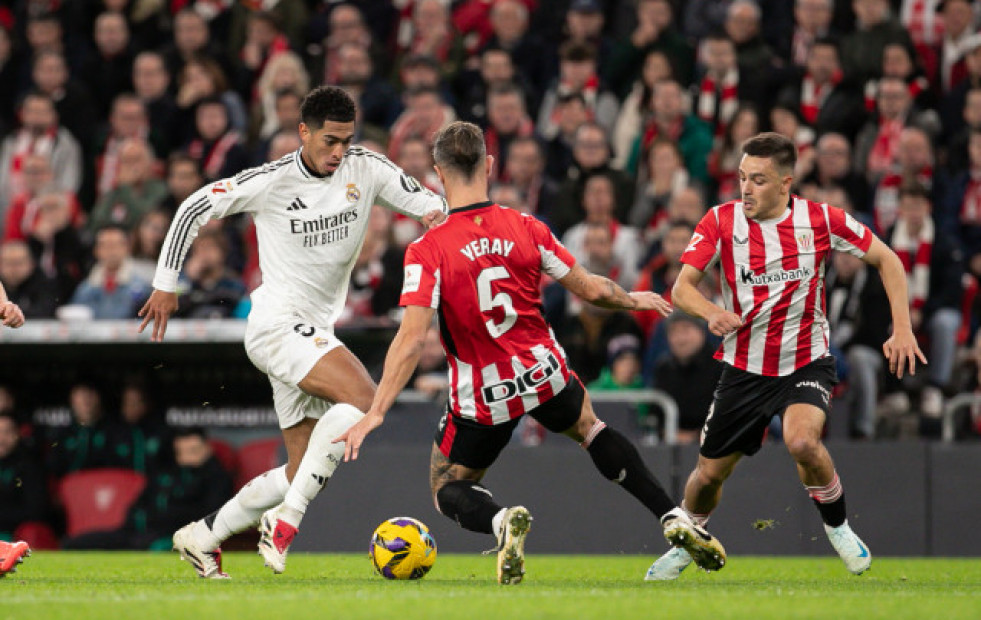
{"x":805,"y":241}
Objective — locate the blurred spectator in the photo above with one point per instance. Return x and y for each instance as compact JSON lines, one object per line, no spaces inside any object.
{"x":812,"y":22}
{"x":217,"y":147}
{"x":257,"y":36}
{"x":287,"y":120}
{"x":875,"y":27}
{"x":703,"y":17}
{"x":430,"y":33}
{"x":137,"y":191}
{"x":55,"y":242}
{"x":584,"y":22}
{"x":183,"y":179}
{"x":112,"y":289}
{"x":923,"y":21}
{"x":934,"y":266}
{"x":151,"y":83}
{"x":531,"y":56}
{"x":723,"y":164}
{"x":39,"y":134}
{"x":786,"y":121}
{"x":10,"y":63}
{"x":832,"y":167}
{"x":860,"y":318}
{"x":898,"y":61}
{"x":622,"y":370}
{"x":203,"y":79}
{"x":211,"y":289}
{"x":71,"y":99}
{"x":108,"y":72}
{"x":507,"y":121}
{"x":431,"y":374}
{"x":376,"y":281}
{"x":416,"y":160}
{"x":687,"y":205}
{"x":591,"y":156}
{"x":586,"y":333}
{"x":825,"y":99}
{"x":192,"y":40}
{"x":144,"y":440}
{"x":87,"y":442}
{"x":128,"y":121}
{"x":666,"y":176}
{"x":171,"y":497}
{"x":346,"y":27}
{"x":723,"y":84}
{"x":661,"y":271}
{"x":424,"y":115}
{"x":496,"y":71}
{"x":627,"y":247}
{"x":419,"y":71}
{"x":22,"y":212}
{"x":283,"y":73}
{"x":878,"y":142}
{"x":577,"y":74}
{"x":148,"y":238}
{"x":26,"y":286}
{"x":378,"y":101}
{"x":526,"y":171}
{"x":914,"y":161}
{"x":744,"y":26}
{"x":968,"y":118}
{"x":284,"y":142}
{"x":960,"y":25}
{"x":23,"y":488}
{"x":638,"y":106}
{"x":688,"y":372}
{"x":953,"y":106}
{"x":672,"y":120}
{"x":961,"y":210}
{"x":570,"y":114}
{"x":655,"y":31}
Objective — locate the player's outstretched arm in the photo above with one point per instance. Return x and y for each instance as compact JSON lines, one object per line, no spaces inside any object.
{"x":10,"y":313}
{"x":687,"y":297}
{"x":901,"y":349}
{"x":157,"y":309}
{"x":605,"y":293}
{"x":400,"y":362}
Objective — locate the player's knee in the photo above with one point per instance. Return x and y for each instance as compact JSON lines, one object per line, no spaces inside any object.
{"x":708,"y":476}
{"x":803,"y":448}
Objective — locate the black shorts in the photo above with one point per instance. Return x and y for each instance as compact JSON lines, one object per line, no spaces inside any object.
{"x":745,"y":403}
{"x":477,"y":446}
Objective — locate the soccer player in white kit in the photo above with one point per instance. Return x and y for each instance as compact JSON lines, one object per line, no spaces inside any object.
{"x":311,"y":212}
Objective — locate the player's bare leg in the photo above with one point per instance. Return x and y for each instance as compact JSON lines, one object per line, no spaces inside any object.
{"x":803,"y":424}
{"x":337,"y":377}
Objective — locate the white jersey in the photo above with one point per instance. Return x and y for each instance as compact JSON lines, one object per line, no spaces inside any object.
{"x":310,"y":229}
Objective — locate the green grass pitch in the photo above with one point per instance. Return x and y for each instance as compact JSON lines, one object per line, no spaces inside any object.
{"x":157,"y":586}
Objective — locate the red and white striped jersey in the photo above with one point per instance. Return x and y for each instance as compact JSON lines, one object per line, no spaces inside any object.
{"x":481,"y":270}
{"x":773,"y":277}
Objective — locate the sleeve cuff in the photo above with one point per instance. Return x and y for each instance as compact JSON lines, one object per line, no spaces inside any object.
{"x":166,"y":280}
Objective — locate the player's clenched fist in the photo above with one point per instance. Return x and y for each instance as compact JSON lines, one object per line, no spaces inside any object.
{"x":723,"y":323}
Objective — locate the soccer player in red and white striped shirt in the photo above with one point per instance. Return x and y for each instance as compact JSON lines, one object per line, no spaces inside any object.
{"x":480,"y":271}
{"x":772,"y":248}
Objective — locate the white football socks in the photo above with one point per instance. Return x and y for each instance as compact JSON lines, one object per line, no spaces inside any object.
{"x":319,"y":462}
{"x":243,"y":511}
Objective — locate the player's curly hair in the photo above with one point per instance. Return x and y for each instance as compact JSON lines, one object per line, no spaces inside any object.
{"x":326,"y":103}
{"x":459,"y":149}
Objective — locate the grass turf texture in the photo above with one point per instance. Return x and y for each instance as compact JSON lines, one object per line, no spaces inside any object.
{"x":152,"y":586}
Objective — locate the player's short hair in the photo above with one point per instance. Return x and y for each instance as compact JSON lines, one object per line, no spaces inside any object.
{"x":326,"y":103}
{"x":775,"y":146}
{"x":459,"y":148}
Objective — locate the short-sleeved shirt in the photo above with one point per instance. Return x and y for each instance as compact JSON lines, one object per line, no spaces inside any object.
{"x":481,"y":270}
{"x":773,"y":277}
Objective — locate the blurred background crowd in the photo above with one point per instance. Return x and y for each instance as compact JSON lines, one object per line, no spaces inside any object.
{"x":616,"y":122}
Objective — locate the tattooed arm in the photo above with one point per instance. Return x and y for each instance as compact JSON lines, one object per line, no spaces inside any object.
{"x":605,"y":293}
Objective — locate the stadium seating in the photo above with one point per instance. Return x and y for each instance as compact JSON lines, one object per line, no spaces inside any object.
{"x":257,"y":457}
{"x":97,"y":499}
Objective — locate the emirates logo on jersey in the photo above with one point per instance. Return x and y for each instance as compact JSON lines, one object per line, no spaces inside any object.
{"x":748,"y":276}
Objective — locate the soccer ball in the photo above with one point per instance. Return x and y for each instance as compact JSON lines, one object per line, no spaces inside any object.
{"x":402,"y":548}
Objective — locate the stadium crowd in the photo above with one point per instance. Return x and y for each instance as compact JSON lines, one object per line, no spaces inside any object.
{"x":616,"y":122}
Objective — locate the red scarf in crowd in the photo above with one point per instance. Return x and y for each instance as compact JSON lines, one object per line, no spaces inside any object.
{"x":589,"y":92}
{"x":212,"y":158}
{"x":914,"y":252}
{"x":881,"y":157}
{"x":916,"y":86}
{"x":709,"y":100}
{"x":886,"y":207}
{"x":813,"y":95}
{"x":26,"y":144}
{"x":921,"y":20}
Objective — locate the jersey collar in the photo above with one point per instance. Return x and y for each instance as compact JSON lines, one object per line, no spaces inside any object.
{"x":305,"y":169}
{"x":474,"y":206}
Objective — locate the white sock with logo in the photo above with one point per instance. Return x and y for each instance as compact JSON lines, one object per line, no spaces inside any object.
{"x":243,"y":511}
{"x":319,"y":462}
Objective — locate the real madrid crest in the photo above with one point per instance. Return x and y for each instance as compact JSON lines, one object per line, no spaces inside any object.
{"x":353,"y":193}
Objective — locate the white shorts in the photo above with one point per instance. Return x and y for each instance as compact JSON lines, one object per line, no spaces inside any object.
{"x":286,"y":349}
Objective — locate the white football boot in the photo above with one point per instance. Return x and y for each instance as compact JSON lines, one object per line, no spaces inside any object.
{"x":511,"y":545}
{"x":668,"y":567}
{"x":206,"y":562}
{"x":275,"y":538}
{"x":850,"y":547}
